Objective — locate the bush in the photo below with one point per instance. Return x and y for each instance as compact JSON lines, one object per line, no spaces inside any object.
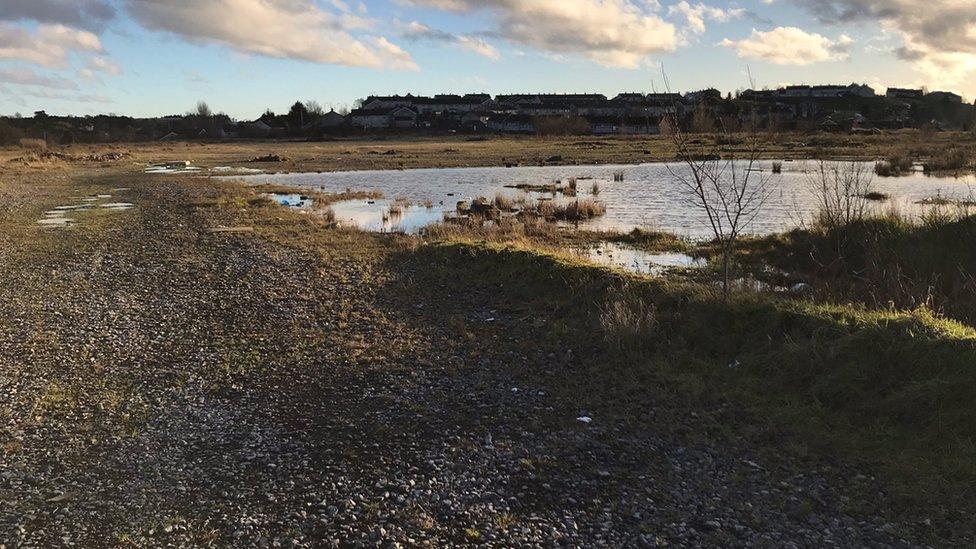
{"x":9,"y":135}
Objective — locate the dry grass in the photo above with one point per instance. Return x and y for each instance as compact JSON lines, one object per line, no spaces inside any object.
{"x":504,"y":203}
{"x":893,"y":166}
{"x":579,"y":210}
{"x":33,"y":145}
{"x":949,"y":159}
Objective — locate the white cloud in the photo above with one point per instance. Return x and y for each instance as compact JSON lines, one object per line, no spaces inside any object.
{"x":88,"y":14}
{"x":292,"y":29}
{"x":791,"y":46}
{"x":101,"y":64}
{"x":479,"y":46}
{"x":696,"y":15}
{"x":616,"y":33}
{"x":49,"y":46}
{"x":419,"y":31}
{"x":28,"y":77}
{"x":939,"y":36}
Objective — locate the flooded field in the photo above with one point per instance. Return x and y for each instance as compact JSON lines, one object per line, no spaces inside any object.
{"x":648,"y":195}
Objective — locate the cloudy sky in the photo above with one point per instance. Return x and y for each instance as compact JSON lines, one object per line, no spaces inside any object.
{"x":156,"y":57}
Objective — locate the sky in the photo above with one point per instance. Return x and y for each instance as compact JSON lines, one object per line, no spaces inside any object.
{"x":160,"y":57}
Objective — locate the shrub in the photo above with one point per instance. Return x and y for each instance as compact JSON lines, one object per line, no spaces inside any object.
{"x":948,"y":159}
{"x":9,"y":135}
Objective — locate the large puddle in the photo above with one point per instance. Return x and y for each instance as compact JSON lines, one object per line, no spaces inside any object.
{"x":647,"y":195}
{"x":638,"y":261}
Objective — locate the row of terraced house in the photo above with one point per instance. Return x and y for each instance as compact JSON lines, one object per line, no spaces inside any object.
{"x":518,"y":113}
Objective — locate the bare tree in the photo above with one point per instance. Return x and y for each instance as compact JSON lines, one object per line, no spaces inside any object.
{"x":841,"y":192}
{"x":203,"y":110}
{"x":729,"y":188}
{"x":313,"y":108}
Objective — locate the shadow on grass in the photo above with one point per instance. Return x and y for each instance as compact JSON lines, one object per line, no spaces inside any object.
{"x":890,"y":390}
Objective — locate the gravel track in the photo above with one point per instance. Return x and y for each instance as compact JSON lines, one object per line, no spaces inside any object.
{"x":164,"y":386}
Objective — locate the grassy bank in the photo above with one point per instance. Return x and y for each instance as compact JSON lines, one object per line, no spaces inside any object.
{"x":887,"y":261}
{"x":894,"y":390}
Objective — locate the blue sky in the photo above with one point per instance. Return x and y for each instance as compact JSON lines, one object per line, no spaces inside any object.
{"x":156,"y":57}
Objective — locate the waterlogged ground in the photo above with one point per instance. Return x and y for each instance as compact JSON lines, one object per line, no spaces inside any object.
{"x":648,"y":196}
{"x":300,"y":386}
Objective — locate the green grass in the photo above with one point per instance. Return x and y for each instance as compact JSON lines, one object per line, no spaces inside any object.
{"x":893,"y":390}
{"x":652,"y":241}
{"x":884,"y":261}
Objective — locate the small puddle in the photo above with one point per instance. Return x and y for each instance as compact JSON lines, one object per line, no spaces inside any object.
{"x":58,"y":216}
{"x":639,"y":261}
{"x":56,"y":222}
{"x":173,"y":167}
{"x":118,"y":206}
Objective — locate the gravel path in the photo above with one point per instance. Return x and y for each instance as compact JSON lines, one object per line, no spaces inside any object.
{"x":165,"y":386}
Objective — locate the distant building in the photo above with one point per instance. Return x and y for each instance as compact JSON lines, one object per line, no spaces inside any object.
{"x":511,"y":123}
{"x":331,"y":119}
{"x":631,"y":97}
{"x":824,"y":91}
{"x":370,"y":117}
{"x":947,"y":97}
{"x":708,"y":96}
{"x":904,"y":93}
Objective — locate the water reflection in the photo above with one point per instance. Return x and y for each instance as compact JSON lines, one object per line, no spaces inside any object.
{"x":375,"y":215}
{"x":639,"y":261}
{"x":647,"y":195}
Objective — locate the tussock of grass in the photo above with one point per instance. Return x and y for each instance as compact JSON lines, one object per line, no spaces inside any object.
{"x":886,"y":261}
{"x":579,"y":210}
{"x":652,"y":241}
{"x":893,"y":389}
{"x":894,"y":165}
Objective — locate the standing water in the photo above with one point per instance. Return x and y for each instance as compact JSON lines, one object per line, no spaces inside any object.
{"x":648,"y":195}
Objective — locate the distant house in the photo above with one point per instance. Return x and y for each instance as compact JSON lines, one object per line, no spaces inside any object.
{"x":631,"y":97}
{"x":383,"y":118}
{"x":330,"y":120}
{"x":458,"y":103}
{"x":944,"y":96}
{"x":825,"y":91}
{"x":708,"y":96}
{"x":257,"y":128}
{"x":403,"y":117}
{"x":375,"y":102}
{"x":904,"y":93}
{"x":511,"y":123}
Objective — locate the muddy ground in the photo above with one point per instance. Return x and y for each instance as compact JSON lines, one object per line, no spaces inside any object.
{"x":287,"y":384}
